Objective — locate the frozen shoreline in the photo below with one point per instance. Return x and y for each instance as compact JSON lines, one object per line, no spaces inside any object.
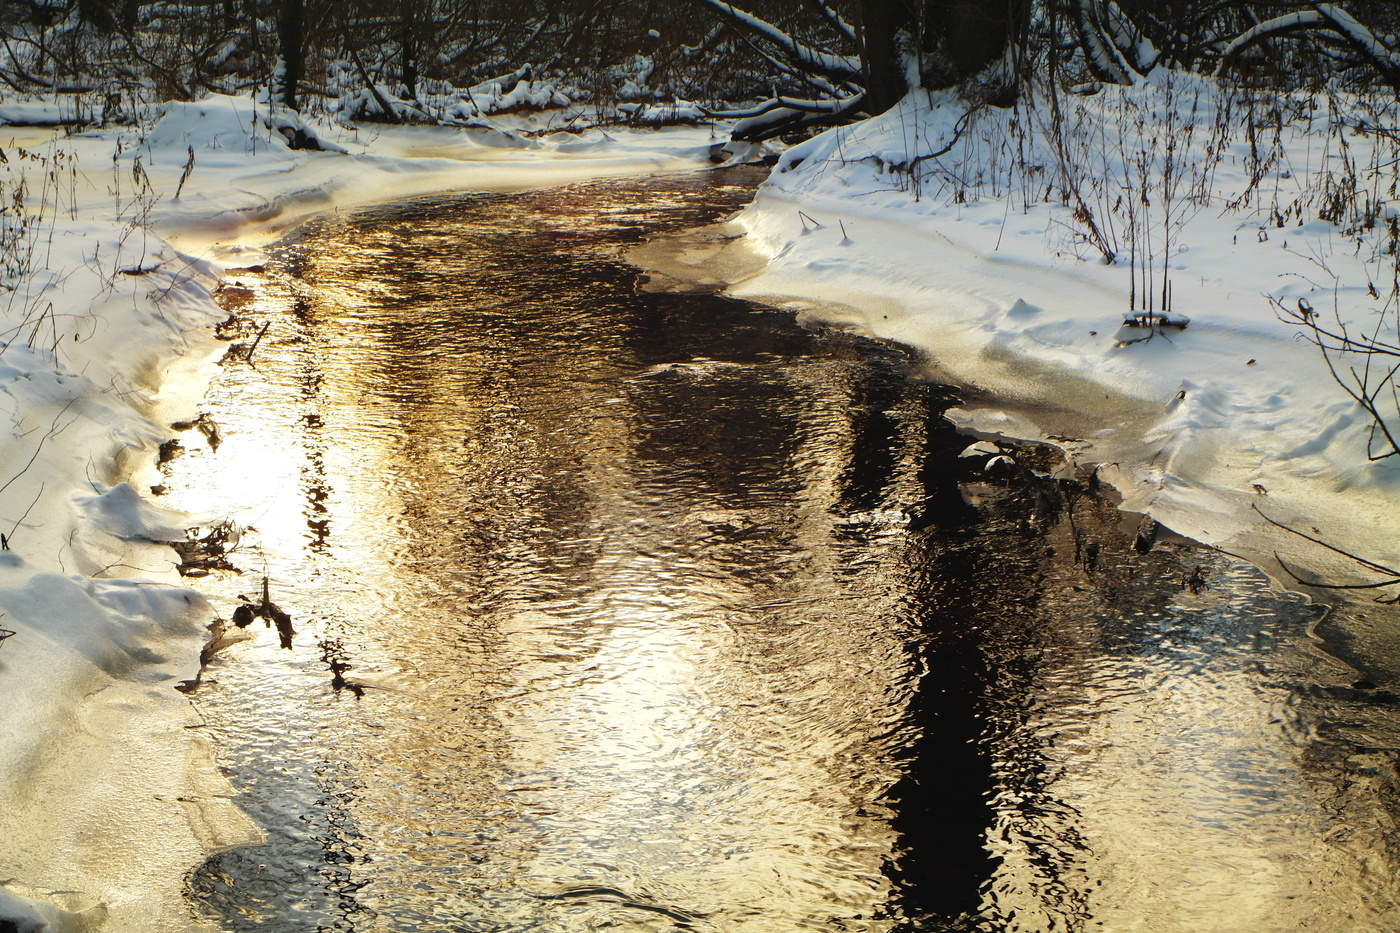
{"x":1193,"y":467}
{"x":1203,"y":428}
{"x":111,"y":793}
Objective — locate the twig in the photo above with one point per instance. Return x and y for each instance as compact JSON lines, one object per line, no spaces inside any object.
{"x":254,"y":347}
{"x":1364,"y":562}
{"x":9,"y":539}
{"x":53,"y":429}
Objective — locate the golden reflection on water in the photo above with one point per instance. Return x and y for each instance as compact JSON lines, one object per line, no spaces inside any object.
{"x":670,"y":615}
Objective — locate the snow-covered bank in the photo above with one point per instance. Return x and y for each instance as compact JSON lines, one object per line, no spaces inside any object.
{"x":110,"y":283}
{"x":986,"y":256}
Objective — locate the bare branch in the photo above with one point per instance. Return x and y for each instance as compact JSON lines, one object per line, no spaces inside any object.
{"x":804,"y":56}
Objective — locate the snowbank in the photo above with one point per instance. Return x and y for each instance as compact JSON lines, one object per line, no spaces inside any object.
{"x":976,"y":237}
{"x":110,"y":270}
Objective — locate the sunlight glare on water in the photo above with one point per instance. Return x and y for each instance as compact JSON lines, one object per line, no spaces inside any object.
{"x":664,"y":613}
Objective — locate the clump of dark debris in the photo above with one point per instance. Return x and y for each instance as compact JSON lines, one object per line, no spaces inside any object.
{"x":269,"y":612}
{"x":230,"y":328}
{"x":243,"y":352}
{"x":206,"y":426}
{"x":169,"y":451}
{"x":205,"y":550}
{"x":333,"y":654}
{"x":233,"y":295}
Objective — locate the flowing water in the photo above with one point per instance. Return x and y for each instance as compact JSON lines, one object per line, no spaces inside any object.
{"x":663,"y":612}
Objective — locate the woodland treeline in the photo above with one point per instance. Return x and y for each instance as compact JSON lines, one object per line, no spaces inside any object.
{"x":793,"y":64}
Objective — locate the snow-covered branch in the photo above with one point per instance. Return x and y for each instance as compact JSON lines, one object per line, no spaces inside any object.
{"x":1139,"y":52}
{"x":791,"y":103}
{"x":1362,"y":39}
{"x":1269,"y":28}
{"x":804,"y":56}
{"x":1102,"y":55}
{"x":778,"y":116}
{"x":1323,"y":16}
{"x":834,"y":18}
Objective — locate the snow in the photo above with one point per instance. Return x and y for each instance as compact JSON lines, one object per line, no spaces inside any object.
{"x":108,"y":302}
{"x":932,"y":227}
{"x":821,"y":62}
{"x":41,"y":915}
{"x":33,"y":113}
{"x":1002,"y":289}
{"x":1359,"y":35}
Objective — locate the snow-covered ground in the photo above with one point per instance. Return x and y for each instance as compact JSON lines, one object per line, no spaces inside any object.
{"x":981,"y":257}
{"x":109,"y":309}
{"x":976,"y":255}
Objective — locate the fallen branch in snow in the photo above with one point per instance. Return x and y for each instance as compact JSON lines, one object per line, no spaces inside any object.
{"x":390,"y":114}
{"x":1370,"y":565}
{"x":780,"y":115}
{"x":840,"y":68}
{"x":1278,"y":27}
{"x":1372,"y":384}
{"x":959,"y":128}
{"x":771,"y":104}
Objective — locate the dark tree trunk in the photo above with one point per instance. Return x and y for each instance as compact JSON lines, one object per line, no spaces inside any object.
{"x":408,"y":53}
{"x":884,"y":21}
{"x":953,"y":40}
{"x":98,"y":14}
{"x":971,"y":34}
{"x":291,"y":44}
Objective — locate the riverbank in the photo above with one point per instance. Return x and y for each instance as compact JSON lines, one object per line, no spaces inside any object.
{"x":110,"y":340}
{"x":928,"y":226}
{"x":114,"y":255}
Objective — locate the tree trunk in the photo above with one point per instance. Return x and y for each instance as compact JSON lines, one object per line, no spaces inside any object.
{"x":885,"y":79}
{"x":291,"y":44}
{"x":953,"y":39}
{"x":408,"y":52}
{"x":971,"y":34}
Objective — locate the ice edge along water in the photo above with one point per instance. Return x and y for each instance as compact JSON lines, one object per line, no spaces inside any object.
{"x":1202,"y":428}
{"x":110,"y":794}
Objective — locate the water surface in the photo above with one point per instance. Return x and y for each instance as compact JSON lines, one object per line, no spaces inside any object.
{"x":663,"y":612}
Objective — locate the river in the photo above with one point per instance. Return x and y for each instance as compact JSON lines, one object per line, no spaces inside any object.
{"x":630,"y":611}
